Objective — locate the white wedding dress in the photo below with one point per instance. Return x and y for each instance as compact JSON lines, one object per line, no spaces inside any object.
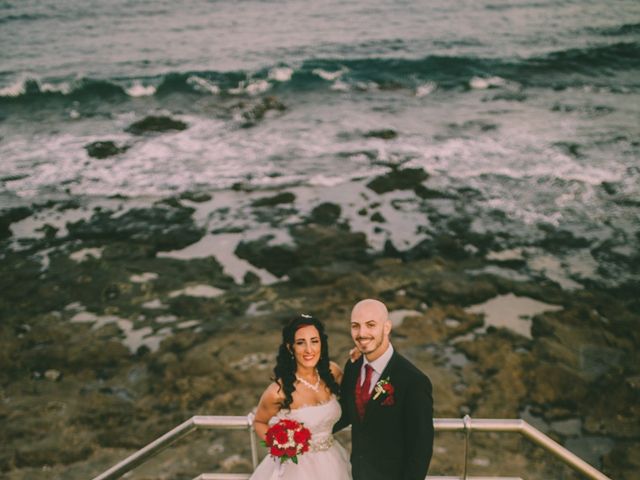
{"x":326,"y":459}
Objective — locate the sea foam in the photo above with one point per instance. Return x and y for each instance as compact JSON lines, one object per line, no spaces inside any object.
{"x":140,"y":90}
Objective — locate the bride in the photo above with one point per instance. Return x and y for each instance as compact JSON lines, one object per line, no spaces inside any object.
{"x":305,"y":387}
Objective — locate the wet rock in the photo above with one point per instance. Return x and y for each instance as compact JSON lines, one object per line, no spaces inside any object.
{"x":622,"y":459}
{"x":12,"y":178}
{"x":500,"y":386}
{"x":54,"y":348}
{"x":257,"y":112}
{"x":49,"y":231}
{"x":385,"y":134}
{"x":326,"y":213}
{"x":250,"y":278}
{"x":316,"y":246}
{"x":284,"y":197}
{"x":428,"y":193}
{"x":601,"y":419}
{"x":548,"y":383}
{"x":609,"y":187}
{"x":437,"y":283}
{"x":163,"y":227}
{"x":510,"y":96}
{"x":570,"y":148}
{"x":390,"y":250}
{"x":155,"y":124}
{"x":577,"y":338}
{"x":54,"y":449}
{"x":378,"y":217}
{"x":436,"y":324}
{"x":104,"y":149}
{"x":445,"y":246}
{"x":561,"y":240}
{"x":396,"y":179}
{"x":11,"y":215}
{"x":124,"y":437}
{"x":197,"y":197}
{"x":277,"y":259}
{"x":469,"y":128}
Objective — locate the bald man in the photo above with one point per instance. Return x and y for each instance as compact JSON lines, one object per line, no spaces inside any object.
{"x":387,"y":401}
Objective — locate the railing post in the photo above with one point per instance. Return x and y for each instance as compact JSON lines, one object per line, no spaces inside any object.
{"x":466,"y":421}
{"x":252,"y":439}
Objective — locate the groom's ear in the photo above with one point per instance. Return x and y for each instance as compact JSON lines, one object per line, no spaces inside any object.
{"x":387,"y":327}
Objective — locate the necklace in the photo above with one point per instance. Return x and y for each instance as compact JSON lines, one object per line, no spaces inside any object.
{"x":315,"y":387}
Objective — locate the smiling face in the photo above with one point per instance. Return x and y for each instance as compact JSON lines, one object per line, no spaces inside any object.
{"x":307,"y":346}
{"x":370,"y":328}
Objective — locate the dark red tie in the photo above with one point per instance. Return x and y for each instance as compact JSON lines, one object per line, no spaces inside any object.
{"x":362,"y":391}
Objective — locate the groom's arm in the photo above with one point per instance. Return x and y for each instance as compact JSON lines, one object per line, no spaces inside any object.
{"x":345,"y":420}
{"x":418,"y":428}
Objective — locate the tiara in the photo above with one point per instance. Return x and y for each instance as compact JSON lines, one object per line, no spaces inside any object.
{"x":304,"y":315}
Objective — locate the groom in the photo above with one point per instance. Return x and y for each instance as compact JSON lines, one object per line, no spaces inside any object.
{"x":388,"y":402}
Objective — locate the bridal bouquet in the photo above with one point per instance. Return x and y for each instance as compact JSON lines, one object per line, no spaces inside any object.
{"x":287,"y":439}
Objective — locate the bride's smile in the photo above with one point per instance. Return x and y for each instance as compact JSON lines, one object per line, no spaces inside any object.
{"x":306,"y":350}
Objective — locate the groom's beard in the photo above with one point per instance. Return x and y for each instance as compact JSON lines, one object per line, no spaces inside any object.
{"x":371,"y":345}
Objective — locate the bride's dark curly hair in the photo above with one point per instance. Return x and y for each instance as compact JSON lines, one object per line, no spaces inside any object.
{"x":285,"y":369}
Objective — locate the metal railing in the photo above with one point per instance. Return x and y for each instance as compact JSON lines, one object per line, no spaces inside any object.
{"x":466,"y":425}
{"x":182,"y":430}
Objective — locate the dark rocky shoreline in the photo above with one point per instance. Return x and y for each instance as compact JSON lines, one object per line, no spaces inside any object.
{"x":110,"y":337}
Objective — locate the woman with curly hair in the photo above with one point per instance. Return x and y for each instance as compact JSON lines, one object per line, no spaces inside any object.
{"x":305,"y":389}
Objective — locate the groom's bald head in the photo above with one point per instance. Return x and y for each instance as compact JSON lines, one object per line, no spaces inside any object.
{"x":370,"y":327}
{"x":371,"y":308}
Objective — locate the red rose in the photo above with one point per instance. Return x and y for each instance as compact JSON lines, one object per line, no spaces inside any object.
{"x":291,"y":451}
{"x":276,"y":452}
{"x":281,"y":436}
{"x":302,"y":436}
{"x":288,"y":424}
{"x":388,"y":388}
{"x":388,"y":401}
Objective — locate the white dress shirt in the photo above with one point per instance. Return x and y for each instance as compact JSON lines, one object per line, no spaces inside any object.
{"x":378,"y":365}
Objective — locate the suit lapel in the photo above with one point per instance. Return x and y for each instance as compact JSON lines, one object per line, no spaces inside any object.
{"x":357,"y":367}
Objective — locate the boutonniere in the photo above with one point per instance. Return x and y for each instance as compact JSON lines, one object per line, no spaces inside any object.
{"x":384,"y":388}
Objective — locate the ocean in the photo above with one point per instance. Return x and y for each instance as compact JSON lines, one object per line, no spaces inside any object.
{"x":532,"y":104}
{"x":535,"y":105}
{"x":177,"y":178}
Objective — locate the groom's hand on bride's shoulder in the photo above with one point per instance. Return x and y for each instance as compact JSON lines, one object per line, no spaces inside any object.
{"x":336,"y":371}
{"x":354,"y":355}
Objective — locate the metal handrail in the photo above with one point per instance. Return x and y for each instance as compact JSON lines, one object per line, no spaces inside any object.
{"x":466,"y":424}
{"x":182,"y":430}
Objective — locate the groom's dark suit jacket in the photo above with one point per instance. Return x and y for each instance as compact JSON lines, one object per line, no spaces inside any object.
{"x":392,"y":442}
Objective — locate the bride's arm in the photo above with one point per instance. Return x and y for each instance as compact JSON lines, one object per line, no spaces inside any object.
{"x":267,"y":407}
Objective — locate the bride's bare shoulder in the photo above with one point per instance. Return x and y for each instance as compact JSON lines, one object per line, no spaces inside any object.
{"x":273,"y":393}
